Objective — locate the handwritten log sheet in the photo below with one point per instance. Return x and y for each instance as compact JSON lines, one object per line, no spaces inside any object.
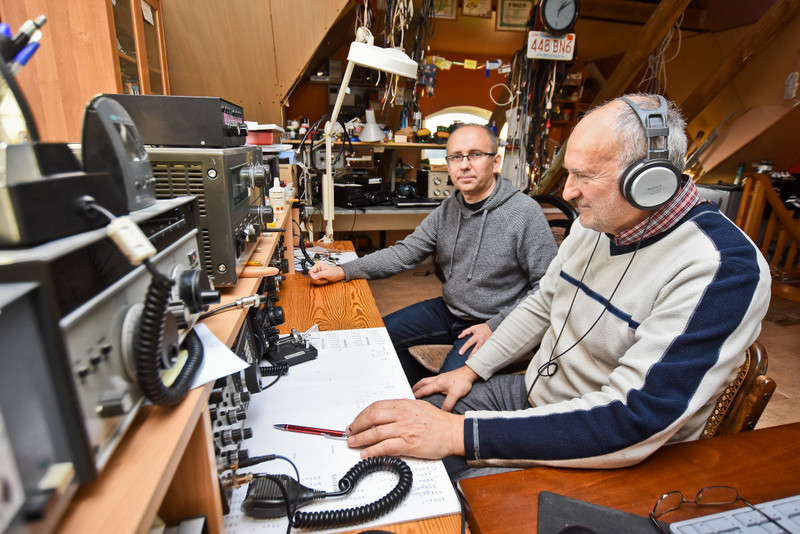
{"x":353,"y":369}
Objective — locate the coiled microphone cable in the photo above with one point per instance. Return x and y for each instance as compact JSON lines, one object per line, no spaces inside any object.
{"x":270,"y":496}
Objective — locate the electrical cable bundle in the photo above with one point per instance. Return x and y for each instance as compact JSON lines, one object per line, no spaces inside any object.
{"x":654,"y":80}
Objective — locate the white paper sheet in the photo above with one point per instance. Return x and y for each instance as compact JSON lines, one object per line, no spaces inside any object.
{"x":353,"y":369}
{"x":218,"y":360}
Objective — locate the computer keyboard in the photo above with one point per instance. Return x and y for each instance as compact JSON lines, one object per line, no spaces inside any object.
{"x":746,"y":520}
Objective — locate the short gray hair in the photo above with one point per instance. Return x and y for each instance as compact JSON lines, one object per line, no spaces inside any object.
{"x":630,"y":132}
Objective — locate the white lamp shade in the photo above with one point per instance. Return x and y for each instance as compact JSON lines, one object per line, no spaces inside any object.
{"x":371,"y":133}
{"x":391,"y":60}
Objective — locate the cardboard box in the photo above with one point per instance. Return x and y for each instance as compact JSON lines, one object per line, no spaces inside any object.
{"x":289,"y":173}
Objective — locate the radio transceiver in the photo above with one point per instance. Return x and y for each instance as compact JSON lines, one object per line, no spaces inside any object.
{"x":93,"y":306}
{"x":230,"y":212}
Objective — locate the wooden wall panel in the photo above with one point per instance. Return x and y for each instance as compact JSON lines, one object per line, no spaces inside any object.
{"x":248,"y":52}
{"x":74,"y":62}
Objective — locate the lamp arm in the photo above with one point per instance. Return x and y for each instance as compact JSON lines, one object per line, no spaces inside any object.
{"x":327,"y":186}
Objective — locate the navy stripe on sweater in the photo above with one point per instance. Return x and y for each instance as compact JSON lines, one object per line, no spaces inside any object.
{"x":669,"y":385}
{"x":602,"y":300}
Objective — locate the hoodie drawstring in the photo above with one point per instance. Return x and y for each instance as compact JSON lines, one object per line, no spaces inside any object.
{"x":455,"y":241}
{"x":478,"y":245}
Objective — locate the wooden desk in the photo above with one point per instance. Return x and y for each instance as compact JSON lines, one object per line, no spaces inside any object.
{"x":344,"y":306}
{"x":762,"y":465}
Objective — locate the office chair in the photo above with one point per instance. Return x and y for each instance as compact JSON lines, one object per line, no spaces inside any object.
{"x":559,"y":225}
{"x":743,"y":401}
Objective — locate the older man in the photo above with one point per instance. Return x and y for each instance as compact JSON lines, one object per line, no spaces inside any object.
{"x":642,"y":320}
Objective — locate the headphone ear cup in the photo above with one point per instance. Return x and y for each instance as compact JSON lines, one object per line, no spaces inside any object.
{"x":649,"y":184}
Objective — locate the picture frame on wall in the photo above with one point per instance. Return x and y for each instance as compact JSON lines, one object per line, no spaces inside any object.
{"x":477,"y":8}
{"x":444,"y":9}
{"x":512,"y":15}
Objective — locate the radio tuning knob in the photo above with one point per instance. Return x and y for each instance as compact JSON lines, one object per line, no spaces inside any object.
{"x":255,"y":175}
{"x":265,"y":214}
{"x":196,"y":290}
{"x":259,"y":175}
{"x":236,"y":128}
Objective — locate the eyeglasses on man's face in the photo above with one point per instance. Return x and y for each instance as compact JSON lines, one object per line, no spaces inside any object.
{"x":455,"y":159}
{"x":708,"y":496}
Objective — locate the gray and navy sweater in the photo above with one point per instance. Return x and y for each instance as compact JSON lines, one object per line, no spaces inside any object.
{"x":650,"y":370}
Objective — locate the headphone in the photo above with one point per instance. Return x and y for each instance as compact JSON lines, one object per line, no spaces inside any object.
{"x":651,"y":182}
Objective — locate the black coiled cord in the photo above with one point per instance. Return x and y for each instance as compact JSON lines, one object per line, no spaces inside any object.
{"x":368,"y":512}
{"x":149,"y":347}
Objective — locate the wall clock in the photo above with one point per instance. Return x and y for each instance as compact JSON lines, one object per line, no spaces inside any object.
{"x":558,"y":16}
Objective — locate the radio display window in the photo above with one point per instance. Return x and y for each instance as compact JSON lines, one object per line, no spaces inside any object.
{"x":239,"y":187}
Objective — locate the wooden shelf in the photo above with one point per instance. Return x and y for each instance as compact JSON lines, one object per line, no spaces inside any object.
{"x":384,"y":145}
{"x":127,"y":57}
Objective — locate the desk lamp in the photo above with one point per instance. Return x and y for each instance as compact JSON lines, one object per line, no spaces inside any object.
{"x":364,"y":54}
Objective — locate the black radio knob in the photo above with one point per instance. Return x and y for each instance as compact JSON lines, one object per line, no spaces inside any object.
{"x":196,"y":290}
{"x":254,"y":174}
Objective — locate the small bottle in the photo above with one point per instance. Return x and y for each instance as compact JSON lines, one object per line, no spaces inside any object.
{"x":738,"y":179}
{"x":277,"y":197}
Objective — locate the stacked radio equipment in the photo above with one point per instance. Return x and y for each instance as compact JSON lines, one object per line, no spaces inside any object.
{"x":205,"y":157}
{"x":195,"y":147}
{"x":96,"y":307}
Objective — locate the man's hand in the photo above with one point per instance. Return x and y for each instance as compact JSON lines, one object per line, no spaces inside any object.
{"x":479,"y":332}
{"x":454,"y":384}
{"x":407,"y":427}
{"x":322,"y":273}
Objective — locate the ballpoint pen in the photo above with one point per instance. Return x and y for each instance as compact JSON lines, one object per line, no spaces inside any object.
{"x":22,"y":58}
{"x":26,"y":31}
{"x":312,"y":430}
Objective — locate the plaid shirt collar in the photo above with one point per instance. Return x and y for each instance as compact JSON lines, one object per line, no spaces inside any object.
{"x":664,"y":218}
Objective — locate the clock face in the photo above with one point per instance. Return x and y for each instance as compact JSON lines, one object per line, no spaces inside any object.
{"x":558,"y":16}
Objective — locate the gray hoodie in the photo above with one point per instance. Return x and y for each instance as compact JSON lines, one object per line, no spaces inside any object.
{"x":491,"y":258}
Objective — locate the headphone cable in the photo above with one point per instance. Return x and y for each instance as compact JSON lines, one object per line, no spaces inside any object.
{"x":550,"y":367}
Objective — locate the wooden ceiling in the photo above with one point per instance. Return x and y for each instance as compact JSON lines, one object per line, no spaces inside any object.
{"x":605,"y":27}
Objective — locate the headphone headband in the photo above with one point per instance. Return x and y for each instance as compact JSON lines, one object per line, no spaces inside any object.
{"x":654,"y":122}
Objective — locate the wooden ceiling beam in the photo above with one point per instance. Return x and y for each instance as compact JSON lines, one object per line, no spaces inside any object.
{"x":761,"y":34}
{"x":634,"y":59}
{"x":637,"y":13}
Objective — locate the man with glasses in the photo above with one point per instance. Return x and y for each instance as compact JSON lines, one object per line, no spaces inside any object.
{"x":641,"y":320}
{"x":492,"y":242}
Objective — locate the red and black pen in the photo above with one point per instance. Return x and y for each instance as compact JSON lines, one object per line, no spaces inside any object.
{"x":312,"y":430}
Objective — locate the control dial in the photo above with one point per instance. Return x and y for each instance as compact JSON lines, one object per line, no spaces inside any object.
{"x":255,"y":174}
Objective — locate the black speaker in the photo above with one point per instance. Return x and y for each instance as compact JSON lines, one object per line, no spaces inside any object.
{"x":653,"y":181}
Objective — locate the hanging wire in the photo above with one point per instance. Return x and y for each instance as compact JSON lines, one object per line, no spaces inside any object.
{"x":511,"y":96}
{"x":398,"y":17}
{"x":654,"y":80}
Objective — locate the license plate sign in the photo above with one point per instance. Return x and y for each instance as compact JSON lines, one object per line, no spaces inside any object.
{"x":543,"y":45}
